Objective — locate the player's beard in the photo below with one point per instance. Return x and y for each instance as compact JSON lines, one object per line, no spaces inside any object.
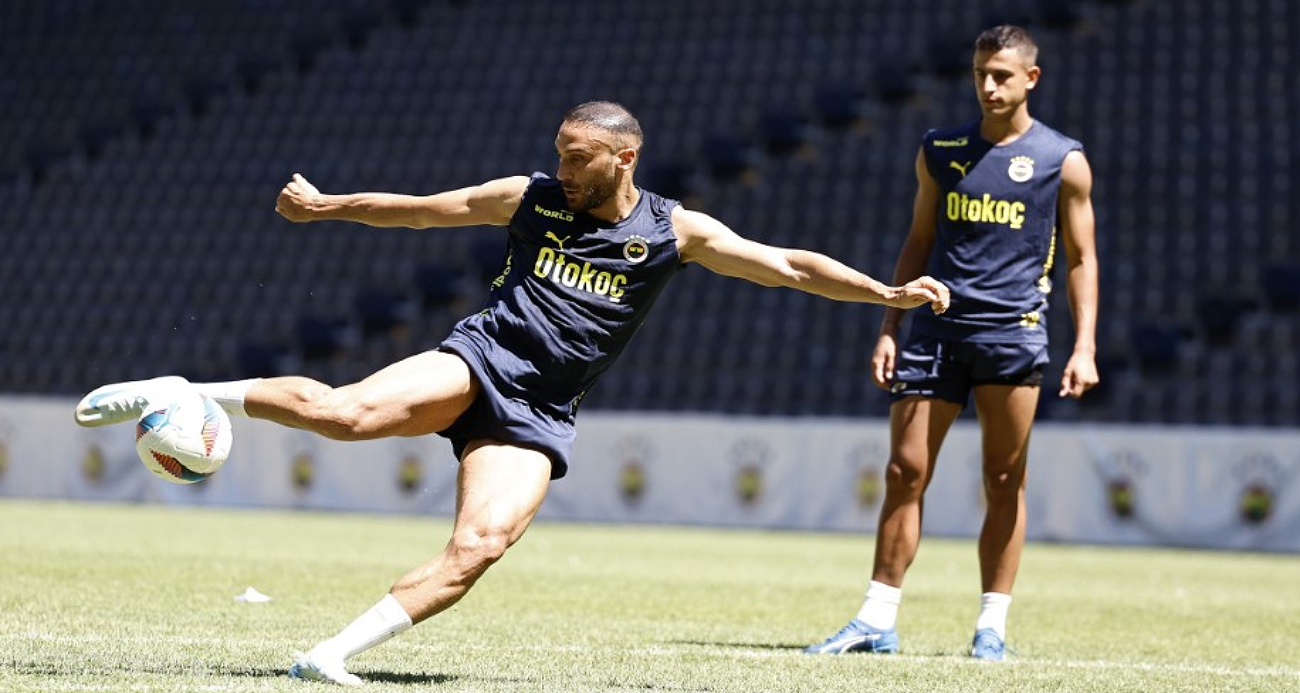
{"x":595,"y":194}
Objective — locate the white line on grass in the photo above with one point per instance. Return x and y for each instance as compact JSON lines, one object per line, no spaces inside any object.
{"x":99,"y":637}
{"x":726,"y":652}
{"x":1171,"y":667}
{"x":50,"y":687}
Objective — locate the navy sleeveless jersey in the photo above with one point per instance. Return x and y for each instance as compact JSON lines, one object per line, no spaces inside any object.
{"x":996,"y":232}
{"x":573,"y":292}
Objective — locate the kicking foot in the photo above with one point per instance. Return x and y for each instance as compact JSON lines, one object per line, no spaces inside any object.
{"x":309,"y":667}
{"x":118,"y":402}
{"x":857,"y":637}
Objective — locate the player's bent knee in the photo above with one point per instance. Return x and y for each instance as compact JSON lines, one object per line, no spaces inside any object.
{"x":477,"y":550}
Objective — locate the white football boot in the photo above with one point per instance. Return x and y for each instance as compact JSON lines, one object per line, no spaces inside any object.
{"x":118,"y":402}
{"x":314,"y":667}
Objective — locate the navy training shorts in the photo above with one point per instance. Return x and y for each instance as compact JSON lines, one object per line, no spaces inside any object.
{"x":948,"y":370}
{"x":511,"y":420}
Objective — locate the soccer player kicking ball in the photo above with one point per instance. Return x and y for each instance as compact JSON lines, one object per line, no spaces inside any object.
{"x":589,"y":252}
{"x":990,"y":197}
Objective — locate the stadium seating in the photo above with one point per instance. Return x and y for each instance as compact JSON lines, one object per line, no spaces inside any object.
{"x":146,"y":141}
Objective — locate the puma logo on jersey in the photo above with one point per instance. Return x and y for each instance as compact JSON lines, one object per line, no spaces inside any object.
{"x":961,"y":168}
{"x":559,"y":242}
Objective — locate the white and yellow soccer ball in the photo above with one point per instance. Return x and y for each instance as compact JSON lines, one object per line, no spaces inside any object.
{"x":183,"y":436}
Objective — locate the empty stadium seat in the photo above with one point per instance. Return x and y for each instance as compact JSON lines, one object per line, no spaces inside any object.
{"x":146,"y":143}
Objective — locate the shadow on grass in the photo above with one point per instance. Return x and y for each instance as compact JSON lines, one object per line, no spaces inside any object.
{"x":799,"y":647}
{"x":51,"y":670}
{"x":405,"y":679}
{"x":773,"y":646}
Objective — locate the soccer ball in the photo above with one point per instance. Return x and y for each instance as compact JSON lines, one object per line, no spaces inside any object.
{"x":183,"y":437}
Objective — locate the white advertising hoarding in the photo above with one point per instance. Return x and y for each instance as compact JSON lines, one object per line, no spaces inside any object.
{"x":1171,"y":486}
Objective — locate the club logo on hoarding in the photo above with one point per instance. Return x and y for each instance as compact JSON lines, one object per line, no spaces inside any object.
{"x":1261,"y":475}
{"x":1256,"y":504}
{"x":1119,"y":471}
{"x":635,"y":454}
{"x":410,"y":474}
{"x":868,"y":458}
{"x":302,"y":470}
{"x":869,"y":487}
{"x":750,"y":457}
{"x":631,"y":482}
{"x":93,"y":465}
{"x":1119,"y":493}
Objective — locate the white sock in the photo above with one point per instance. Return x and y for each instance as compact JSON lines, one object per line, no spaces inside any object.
{"x":993,"y":613}
{"x":377,"y":625}
{"x":230,"y":394}
{"x":880,"y":608}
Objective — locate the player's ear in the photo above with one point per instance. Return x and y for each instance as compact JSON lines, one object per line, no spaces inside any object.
{"x":626,"y":157}
{"x":1034,"y":73}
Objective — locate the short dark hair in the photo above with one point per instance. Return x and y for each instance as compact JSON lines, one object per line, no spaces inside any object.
{"x":1006,"y":36}
{"x":610,"y":117}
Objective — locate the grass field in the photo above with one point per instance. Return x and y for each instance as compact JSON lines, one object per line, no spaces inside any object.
{"x":140,"y":598}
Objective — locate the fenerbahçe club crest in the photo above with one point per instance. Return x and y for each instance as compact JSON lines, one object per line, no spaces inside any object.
{"x":1021,"y":169}
{"x":636,"y":249}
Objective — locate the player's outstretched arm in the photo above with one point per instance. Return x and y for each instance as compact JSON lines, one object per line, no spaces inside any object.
{"x":709,"y":242}
{"x":493,"y":202}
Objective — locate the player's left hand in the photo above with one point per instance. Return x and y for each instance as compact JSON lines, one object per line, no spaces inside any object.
{"x":1080,"y":375}
{"x":295,"y":200}
{"x":921,"y":291}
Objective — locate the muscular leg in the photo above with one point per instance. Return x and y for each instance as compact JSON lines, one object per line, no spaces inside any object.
{"x":499,"y":490}
{"x":422,"y":394}
{"x":917,"y":429}
{"x":1006,"y":416}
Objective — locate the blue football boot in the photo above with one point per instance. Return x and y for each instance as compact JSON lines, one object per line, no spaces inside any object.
{"x":857,"y":637}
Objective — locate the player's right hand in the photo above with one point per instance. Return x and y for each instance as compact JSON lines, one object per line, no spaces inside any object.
{"x":296,"y":198}
{"x":882,"y":361}
{"x":919,"y":292}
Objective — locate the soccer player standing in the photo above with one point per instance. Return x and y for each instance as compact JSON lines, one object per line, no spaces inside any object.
{"x":990,"y":198}
{"x":588,"y":254}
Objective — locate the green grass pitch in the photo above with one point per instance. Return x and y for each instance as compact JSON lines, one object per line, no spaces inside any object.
{"x":141,"y":598}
